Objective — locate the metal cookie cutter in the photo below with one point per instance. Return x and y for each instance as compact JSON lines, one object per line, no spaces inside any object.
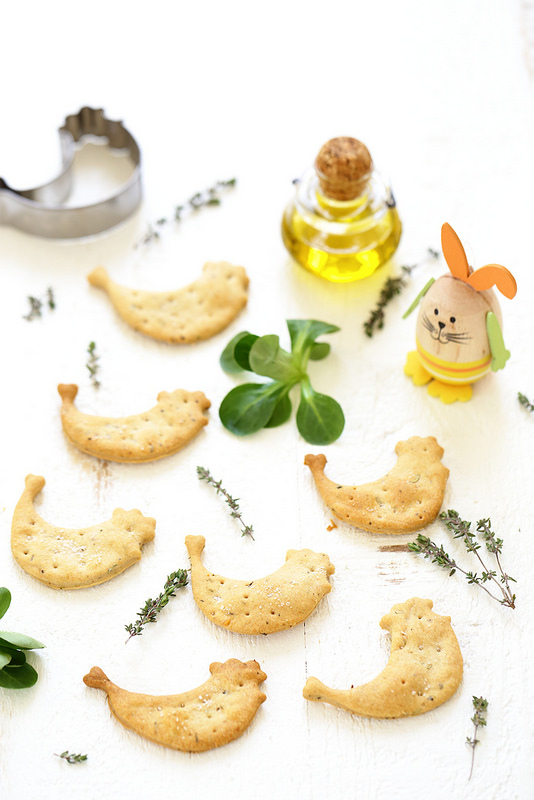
{"x":40,"y":211}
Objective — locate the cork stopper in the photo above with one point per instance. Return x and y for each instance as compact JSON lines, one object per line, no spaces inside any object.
{"x":343,"y":166}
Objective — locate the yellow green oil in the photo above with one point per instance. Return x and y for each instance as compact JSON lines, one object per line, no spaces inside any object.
{"x":341,"y":242}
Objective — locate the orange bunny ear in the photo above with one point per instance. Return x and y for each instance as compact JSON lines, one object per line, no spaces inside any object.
{"x":454,"y":252}
{"x":494,"y":275}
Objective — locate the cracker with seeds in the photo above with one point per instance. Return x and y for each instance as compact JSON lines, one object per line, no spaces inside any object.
{"x":65,"y":558}
{"x":163,"y":430}
{"x":424,"y":670}
{"x":406,"y":499}
{"x":189,"y":314}
{"x":267,"y":605}
{"x":200,"y":719}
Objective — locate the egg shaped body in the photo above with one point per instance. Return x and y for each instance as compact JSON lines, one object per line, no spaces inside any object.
{"x":451,"y":333}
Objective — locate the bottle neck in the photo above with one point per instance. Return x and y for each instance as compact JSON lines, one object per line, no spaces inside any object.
{"x":342,"y":209}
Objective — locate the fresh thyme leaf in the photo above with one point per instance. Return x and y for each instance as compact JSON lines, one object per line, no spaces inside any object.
{"x":391,"y":288}
{"x":71,"y":758}
{"x":461,"y":529}
{"x":36,"y":305}
{"x":252,"y":406}
{"x":93,"y":364}
{"x":151,"y":609}
{"x":209,"y":197}
{"x":205,"y":475}
{"x":35,"y":308}
{"x":525,"y":401}
{"x":480,"y":705}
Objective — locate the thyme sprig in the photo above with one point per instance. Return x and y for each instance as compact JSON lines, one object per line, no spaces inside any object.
{"x":462,"y":530}
{"x":71,"y":758}
{"x":36,"y":305}
{"x":149,"y":612}
{"x":523,"y":399}
{"x":205,"y":475}
{"x":391,"y":288}
{"x":93,"y":364}
{"x":480,"y":704}
{"x":209,"y":197}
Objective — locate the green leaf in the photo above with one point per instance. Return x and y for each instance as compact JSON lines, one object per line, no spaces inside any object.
{"x":5,"y":600}
{"x":269,"y":359}
{"x":5,"y":658}
{"x":281,"y":413}
{"x":18,"y":677}
{"x":305,"y":331}
{"x":17,"y":657}
{"x":319,"y":351}
{"x":229,"y":359}
{"x":249,"y":407}
{"x":320,"y":418}
{"x":19,"y":640}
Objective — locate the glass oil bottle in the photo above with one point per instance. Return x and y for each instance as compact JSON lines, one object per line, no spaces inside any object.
{"x":343,"y":222}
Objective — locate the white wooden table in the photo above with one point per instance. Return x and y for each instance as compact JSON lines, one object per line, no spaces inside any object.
{"x":442,"y":95}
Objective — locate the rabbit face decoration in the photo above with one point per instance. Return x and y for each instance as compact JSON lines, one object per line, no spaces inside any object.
{"x":458,"y":332}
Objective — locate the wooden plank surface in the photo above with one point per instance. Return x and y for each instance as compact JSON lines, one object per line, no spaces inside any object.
{"x":442,"y":95}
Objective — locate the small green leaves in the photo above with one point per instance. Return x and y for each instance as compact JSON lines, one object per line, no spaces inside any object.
{"x":523,"y":399}
{"x":151,"y":609}
{"x":252,"y":406}
{"x":234,"y":357}
{"x":461,"y":529}
{"x":249,"y":407}
{"x":205,"y":475}
{"x":320,"y":418}
{"x":212,"y":196}
{"x":15,"y":673}
{"x":18,"y":677}
{"x":19,"y":640}
{"x":72,"y":758}
{"x":5,"y":600}
{"x":480,"y":705}
{"x":92,"y":364}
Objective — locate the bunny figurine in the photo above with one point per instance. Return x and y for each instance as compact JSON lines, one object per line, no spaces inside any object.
{"x":458,"y":332}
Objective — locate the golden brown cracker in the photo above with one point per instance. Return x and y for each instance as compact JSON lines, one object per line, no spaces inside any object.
{"x":273,"y":603}
{"x":189,"y":314}
{"x":406,"y":499}
{"x":424,"y":670}
{"x":200,"y":719}
{"x":163,"y":430}
{"x":75,"y":558}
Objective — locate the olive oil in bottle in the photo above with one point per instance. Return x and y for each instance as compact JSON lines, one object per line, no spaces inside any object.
{"x":343,"y":222}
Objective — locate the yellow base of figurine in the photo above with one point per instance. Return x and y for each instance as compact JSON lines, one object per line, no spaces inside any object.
{"x":446,"y":392}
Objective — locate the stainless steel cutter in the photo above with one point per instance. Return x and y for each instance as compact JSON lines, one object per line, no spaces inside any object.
{"x":42,"y":212}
